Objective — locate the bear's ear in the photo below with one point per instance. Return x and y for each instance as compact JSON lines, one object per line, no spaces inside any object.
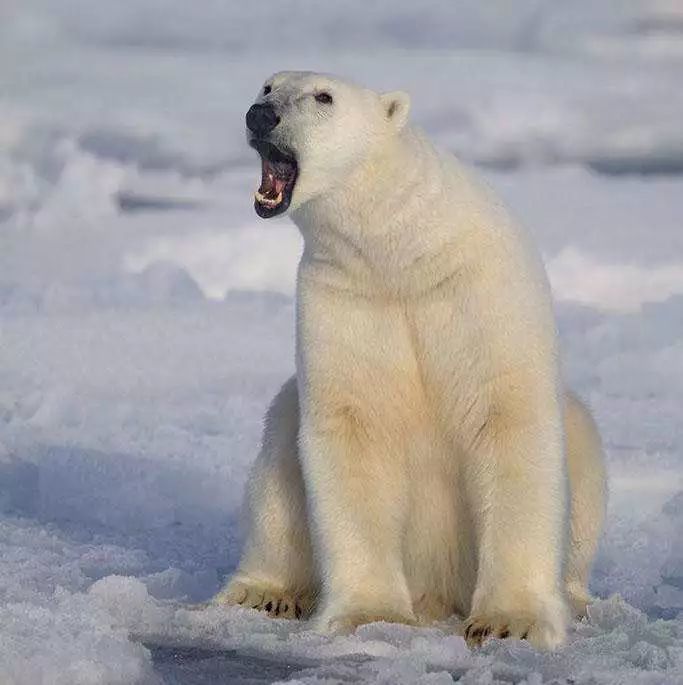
{"x":396,"y":108}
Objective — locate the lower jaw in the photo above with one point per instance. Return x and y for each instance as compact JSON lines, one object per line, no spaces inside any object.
{"x":266,"y":212}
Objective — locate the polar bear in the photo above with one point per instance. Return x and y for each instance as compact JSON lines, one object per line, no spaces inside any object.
{"x":426,"y":459}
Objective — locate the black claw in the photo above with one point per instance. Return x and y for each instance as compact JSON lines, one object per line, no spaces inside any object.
{"x":277,"y":608}
{"x":297,"y":611}
{"x":284,"y":611}
{"x":268,"y":606}
{"x":526,"y":635}
{"x":477,"y":634}
{"x":505,"y":633}
{"x":467,"y":632}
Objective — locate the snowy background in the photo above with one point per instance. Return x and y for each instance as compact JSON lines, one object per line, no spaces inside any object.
{"x":146,"y":315}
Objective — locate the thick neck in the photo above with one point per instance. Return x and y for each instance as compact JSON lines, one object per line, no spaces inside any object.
{"x":370,"y":233}
{"x":375,"y":188}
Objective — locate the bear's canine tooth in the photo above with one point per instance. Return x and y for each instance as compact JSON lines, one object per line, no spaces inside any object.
{"x":268,"y":202}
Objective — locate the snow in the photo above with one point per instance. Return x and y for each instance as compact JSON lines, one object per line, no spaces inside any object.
{"x":146,"y":317}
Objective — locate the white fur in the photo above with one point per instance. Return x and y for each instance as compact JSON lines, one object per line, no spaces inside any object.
{"x":440,"y":467}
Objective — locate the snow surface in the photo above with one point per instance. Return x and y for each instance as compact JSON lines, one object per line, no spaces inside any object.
{"x":146,"y":316}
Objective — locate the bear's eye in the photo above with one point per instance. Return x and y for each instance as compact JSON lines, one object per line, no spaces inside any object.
{"x":324,"y":98}
{"x":267,"y":89}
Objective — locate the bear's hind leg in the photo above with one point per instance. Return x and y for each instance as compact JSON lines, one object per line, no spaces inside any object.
{"x":276,"y":572}
{"x":587,"y":481}
{"x":274,"y":599}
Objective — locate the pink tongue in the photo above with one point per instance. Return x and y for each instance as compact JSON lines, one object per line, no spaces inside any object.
{"x":271,"y":185}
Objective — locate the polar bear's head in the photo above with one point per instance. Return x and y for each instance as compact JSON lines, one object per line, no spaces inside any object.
{"x":311,"y":130}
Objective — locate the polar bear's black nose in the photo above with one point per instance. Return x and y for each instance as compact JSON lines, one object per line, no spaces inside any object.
{"x":261,"y":119}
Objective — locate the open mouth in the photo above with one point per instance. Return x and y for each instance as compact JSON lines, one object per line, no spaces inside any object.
{"x":278,"y":176}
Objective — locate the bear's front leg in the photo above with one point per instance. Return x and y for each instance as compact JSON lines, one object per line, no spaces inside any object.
{"x":357,"y":496}
{"x":486,"y":343}
{"x":357,"y":387}
{"x":515,"y":478}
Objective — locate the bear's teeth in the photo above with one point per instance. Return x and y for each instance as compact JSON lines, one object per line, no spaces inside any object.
{"x":267,"y":201}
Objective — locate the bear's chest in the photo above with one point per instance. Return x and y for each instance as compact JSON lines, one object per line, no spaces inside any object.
{"x":356,"y":361}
